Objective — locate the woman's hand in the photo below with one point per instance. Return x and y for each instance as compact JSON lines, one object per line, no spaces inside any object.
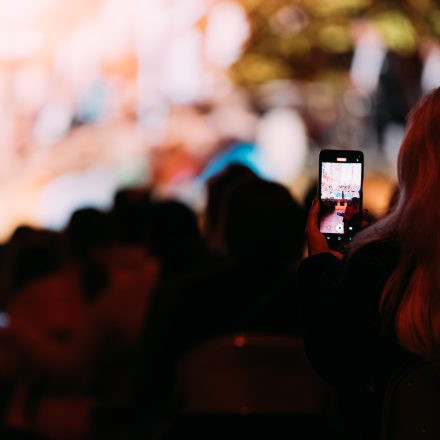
{"x":316,"y":242}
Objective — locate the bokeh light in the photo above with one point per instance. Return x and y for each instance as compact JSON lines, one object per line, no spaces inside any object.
{"x":98,"y":94}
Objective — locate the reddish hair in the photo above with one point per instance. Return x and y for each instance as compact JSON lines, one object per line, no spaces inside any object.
{"x":411,"y":296}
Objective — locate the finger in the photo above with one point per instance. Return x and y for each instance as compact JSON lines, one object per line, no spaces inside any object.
{"x":315,"y":205}
{"x":312,"y":220}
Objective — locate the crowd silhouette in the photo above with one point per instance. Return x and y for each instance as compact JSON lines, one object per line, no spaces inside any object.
{"x":95,"y":319}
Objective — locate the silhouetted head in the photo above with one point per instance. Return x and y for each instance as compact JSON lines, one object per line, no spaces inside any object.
{"x":218,"y":187}
{"x":262,"y":220}
{"x":30,"y":254}
{"x":173,"y":234}
{"x":130,"y":215}
{"x":88,"y":228}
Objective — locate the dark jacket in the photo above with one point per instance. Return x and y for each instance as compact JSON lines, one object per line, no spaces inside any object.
{"x":346,"y":339}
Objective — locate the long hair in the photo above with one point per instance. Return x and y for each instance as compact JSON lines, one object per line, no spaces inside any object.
{"x":411,"y":296}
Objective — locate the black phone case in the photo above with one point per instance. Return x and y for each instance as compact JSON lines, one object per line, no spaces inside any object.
{"x":339,"y":240}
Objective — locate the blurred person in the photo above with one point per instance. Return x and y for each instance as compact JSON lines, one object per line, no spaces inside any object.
{"x":168,"y":228}
{"x":88,"y":365}
{"x":368,"y":55}
{"x":253,"y":288}
{"x":89,"y":237}
{"x":217,"y":189}
{"x":129,"y":215}
{"x":262,"y":221}
{"x":103,"y":349}
{"x":398,"y":90}
{"x":429,"y":52}
{"x":365,"y":315}
{"x":29,"y":254}
{"x":173,"y":236}
{"x":91,"y":370}
{"x":54,"y":304}
{"x":28,"y":257}
{"x":392,"y":80}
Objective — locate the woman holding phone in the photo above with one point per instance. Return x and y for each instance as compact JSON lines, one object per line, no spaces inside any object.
{"x":370,"y":310}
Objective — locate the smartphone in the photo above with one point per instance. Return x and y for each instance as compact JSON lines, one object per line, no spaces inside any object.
{"x":341,"y":174}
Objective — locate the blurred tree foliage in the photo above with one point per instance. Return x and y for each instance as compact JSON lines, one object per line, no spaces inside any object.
{"x":306,"y":38}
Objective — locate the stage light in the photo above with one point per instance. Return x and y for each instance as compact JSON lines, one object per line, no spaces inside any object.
{"x":226,"y":32}
{"x":282,"y":141}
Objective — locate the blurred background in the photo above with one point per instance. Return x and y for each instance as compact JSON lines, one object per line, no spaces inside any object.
{"x":96,"y":95}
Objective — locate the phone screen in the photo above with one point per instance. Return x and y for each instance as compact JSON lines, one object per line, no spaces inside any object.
{"x":341,"y":175}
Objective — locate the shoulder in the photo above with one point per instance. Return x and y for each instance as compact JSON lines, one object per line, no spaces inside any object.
{"x":371,"y":265}
{"x":382,"y":252}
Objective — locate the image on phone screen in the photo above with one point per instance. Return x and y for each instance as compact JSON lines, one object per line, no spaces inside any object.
{"x":340,"y":189}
